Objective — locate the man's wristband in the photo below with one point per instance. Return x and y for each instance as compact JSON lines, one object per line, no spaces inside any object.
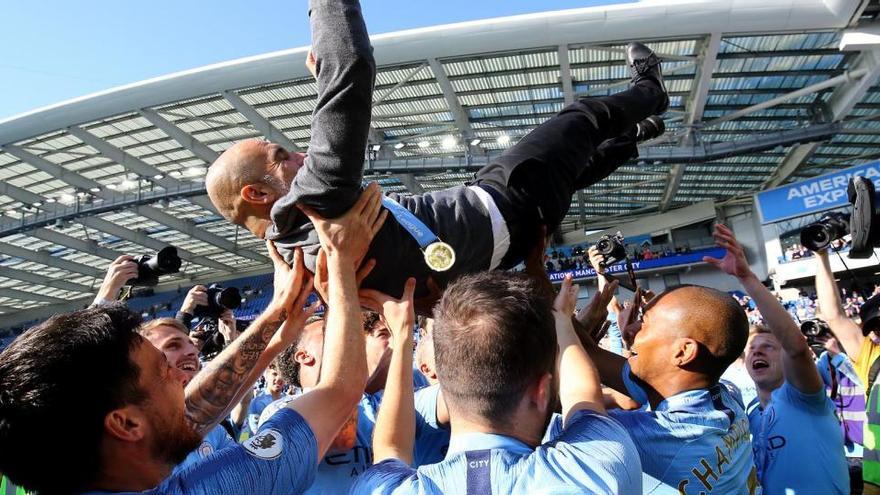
{"x":100,"y":302}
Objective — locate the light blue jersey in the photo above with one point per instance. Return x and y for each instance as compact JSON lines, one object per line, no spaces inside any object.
{"x":338,"y":470}
{"x":280,"y":459}
{"x":798,"y":443}
{"x":693,"y":442}
{"x":217,"y":439}
{"x":594,"y":454}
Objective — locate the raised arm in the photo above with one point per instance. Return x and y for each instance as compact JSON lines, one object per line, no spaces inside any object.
{"x":847,"y":332}
{"x":212,"y":394}
{"x":797,"y":358}
{"x":609,"y":364}
{"x":579,"y":386}
{"x":344,"y":371}
{"x":330,"y":181}
{"x":395,"y":430}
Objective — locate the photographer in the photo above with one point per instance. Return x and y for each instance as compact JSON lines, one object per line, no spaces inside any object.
{"x":797,"y":442}
{"x":862,"y":345}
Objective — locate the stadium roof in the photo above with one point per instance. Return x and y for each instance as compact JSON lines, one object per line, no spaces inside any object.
{"x":761,"y":93}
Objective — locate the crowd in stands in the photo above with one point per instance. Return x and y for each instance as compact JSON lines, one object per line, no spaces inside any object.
{"x":504,"y":386}
{"x":797,"y":251}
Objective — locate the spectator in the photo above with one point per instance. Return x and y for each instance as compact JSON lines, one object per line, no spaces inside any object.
{"x":843,"y":386}
{"x":862,"y":345}
{"x":274,"y":388}
{"x":798,"y":444}
{"x":500,"y":325}
{"x":685,"y":340}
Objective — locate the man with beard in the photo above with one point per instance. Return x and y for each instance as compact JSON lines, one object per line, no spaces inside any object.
{"x":171,"y":337}
{"x":91,"y":368}
{"x":498,"y":347}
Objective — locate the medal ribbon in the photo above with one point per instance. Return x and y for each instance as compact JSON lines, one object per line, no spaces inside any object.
{"x":416,"y":228}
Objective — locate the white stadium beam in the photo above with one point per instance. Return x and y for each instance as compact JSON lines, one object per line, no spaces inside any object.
{"x":198,"y":148}
{"x":459,"y":115}
{"x":141,"y":238}
{"x":88,"y":247}
{"x":261,"y":123}
{"x":21,"y":295}
{"x":694,"y":107}
{"x":44,"y":258}
{"x":842,"y":101}
{"x":568,"y":98}
{"x":409,"y":181}
{"x":191,"y":229}
{"x":150,"y":212}
{"x":33,"y":278}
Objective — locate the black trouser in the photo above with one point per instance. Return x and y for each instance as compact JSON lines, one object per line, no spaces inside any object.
{"x":533,"y":182}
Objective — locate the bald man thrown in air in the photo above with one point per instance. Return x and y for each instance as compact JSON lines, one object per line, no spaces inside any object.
{"x":694,"y":435}
{"x":490,"y":223}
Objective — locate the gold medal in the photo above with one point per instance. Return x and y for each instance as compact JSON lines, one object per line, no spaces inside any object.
{"x":439,"y":256}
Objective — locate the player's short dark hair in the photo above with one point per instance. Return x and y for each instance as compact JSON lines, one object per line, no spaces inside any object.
{"x":729,"y":336}
{"x":58,"y":381}
{"x":494,"y":337}
{"x":286,"y":363}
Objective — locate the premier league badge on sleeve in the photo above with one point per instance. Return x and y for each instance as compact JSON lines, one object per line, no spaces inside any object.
{"x":439,"y":256}
{"x":267,"y":445}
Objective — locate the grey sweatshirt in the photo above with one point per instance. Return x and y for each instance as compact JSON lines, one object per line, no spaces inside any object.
{"x":330,"y":180}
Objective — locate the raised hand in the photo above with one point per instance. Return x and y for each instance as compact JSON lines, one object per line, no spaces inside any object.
{"x":120,"y":271}
{"x":593,"y":315}
{"x":350,"y":235}
{"x":197,"y":296}
{"x":566,"y":300}
{"x":734,"y":262}
{"x":399,"y":314}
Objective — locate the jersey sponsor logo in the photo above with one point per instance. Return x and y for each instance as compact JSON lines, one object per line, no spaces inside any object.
{"x":267,"y":445}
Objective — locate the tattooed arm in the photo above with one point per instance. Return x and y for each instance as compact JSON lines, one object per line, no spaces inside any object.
{"x":230,"y":376}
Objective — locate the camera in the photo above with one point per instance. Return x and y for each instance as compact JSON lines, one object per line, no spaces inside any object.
{"x":219,"y":300}
{"x":863,"y":224}
{"x":817,"y":333}
{"x":818,"y":235}
{"x":150,"y":268}
{"x":611,"y":248}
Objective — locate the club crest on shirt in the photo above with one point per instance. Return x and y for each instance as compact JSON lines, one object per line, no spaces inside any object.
{"x":206,"y":449}
{"x":268,"y":444}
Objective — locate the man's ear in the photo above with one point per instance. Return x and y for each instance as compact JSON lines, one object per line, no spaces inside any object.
{"x":304,"y":358}
{"x":540,"y":393}
{"x":127,"y":424}
{"x":258,"y":194}
{"x":427,"y":371}
{"x":687,"y":351}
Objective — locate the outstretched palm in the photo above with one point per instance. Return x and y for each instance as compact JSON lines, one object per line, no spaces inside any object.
{"x":734,"y":261}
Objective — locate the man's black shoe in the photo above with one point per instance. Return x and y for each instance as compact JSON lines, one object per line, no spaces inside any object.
{"x":650,"y":128}
{"x":644,"y":64}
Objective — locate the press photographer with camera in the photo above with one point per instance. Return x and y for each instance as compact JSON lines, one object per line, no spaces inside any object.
{"x":141,"y":271}
{"x":214,"y":305}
